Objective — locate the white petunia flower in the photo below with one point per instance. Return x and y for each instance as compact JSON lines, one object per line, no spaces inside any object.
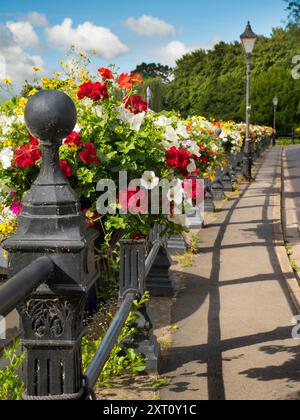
{"x":163,"y":121}
{"x":134,"y":121}
{"x":149,"y":180}
{"x":192,"y":166}
{"x":20,"y":119}
{"x":87,"y":102}
{"x":77,"y":128}
{"x":171,"y":136}
{"x":182,"y":131}
{"x":99,"y":111}
{"x":137,"y":121}
{"x":6,"y":157}
{"x":176,"y":194}
{"x":193,"y":147}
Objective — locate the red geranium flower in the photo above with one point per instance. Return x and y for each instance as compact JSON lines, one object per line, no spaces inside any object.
{"x":136,"y":78}
{"x":172,"y":157}
{"x":183,"y":161}
{"x":99,"y":91}
{"x":137,"y":207}
{"x":135,"y":104}
{"x":34,"y":141}
{"x":127,"y":81}
{"x":106,"y":73}
{"x":138,"y":237}
{"x":73,"y":140}
{"x":95,"y":91}
{"x":84,"y":90}
{"x":89,"y":154}
{"x":66,"y":168}
{"x":178,"y":158}
{"x":27,"y":156}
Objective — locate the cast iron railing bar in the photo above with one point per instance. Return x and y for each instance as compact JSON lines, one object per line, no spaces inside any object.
{"x":152,"y":256}
{"x":24,"y":283}
{"x":102,"y":355}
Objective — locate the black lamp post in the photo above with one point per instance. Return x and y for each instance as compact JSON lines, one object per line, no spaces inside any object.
{"x":275,"y":103}
{"x":248,"y":39}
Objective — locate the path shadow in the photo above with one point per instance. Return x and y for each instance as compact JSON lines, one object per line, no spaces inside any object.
{"x":288,"y":371}
{"x":211,"y":353}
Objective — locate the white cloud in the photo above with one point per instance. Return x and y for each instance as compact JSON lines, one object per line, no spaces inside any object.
{"x":15,"y":62}
{"x":24,"y":34}
{"x":86,"y":37}
{"x":36,"y":19}
{"x":173,"y":51}
{"x":150,"y":26}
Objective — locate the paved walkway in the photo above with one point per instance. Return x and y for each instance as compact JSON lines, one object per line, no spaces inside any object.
{"x":234,"y":314}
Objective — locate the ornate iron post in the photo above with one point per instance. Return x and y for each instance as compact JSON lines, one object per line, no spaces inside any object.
{"x":133,"y":279}
{"x":52,"y":225}
{"x":160,"y":281}
{"x":217,"y":188}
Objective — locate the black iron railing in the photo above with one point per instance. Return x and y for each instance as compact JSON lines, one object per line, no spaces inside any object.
{"x":52,"y":269}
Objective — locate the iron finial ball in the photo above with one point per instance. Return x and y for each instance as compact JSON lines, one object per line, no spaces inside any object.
{"x":50,"y":115}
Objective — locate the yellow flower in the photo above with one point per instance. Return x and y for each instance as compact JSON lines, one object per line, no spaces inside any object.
{"x":7,"y":143}
{"x":19,"y":111}
{"x":6,"y":229}
{"x":7,"y":81}
{"x":36,"y":69}
{"x":82,"y":54}
{"x":56,"y":73}
{"x":94,"y":52}
{"x":33,"y":92}
{"x":23,"y":102}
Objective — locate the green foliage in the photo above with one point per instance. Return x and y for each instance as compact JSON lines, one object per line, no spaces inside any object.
{"x":293,"y":7}
{"x":120,"y":361}
{"x":11,"y":387}
{"x":185,"y":260}
{"x":158,"y":90}
{"x":194,"y":243}
{"x":153,"y":71}
{"x":213,"y":83}
{"x":159,"y":382}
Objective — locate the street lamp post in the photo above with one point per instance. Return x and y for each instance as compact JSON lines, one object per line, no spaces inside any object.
{"x":275,"y":103}
{"x":248,"y":39}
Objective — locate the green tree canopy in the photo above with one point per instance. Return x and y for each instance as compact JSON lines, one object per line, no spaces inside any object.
{"x":212,"y":83}
{"x":293,"y":7}
{"x":153,"y":70}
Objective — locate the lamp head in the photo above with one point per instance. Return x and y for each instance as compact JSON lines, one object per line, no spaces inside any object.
{"x":248,"y":39}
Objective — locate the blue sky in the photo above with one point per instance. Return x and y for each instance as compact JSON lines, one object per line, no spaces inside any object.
{"x":120,"y":31}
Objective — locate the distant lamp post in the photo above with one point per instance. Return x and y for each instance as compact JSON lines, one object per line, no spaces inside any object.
{"x":149,"y":96}
{"x":248,"y":39}
{"x":275,"y":103}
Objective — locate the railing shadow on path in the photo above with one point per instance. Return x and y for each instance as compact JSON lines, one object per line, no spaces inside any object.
{"x":212,"y":352}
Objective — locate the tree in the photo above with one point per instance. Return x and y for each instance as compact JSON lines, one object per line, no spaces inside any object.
{"x":213,"y":83}
{"x":153,"y":70}
{"x":293,"y":7}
